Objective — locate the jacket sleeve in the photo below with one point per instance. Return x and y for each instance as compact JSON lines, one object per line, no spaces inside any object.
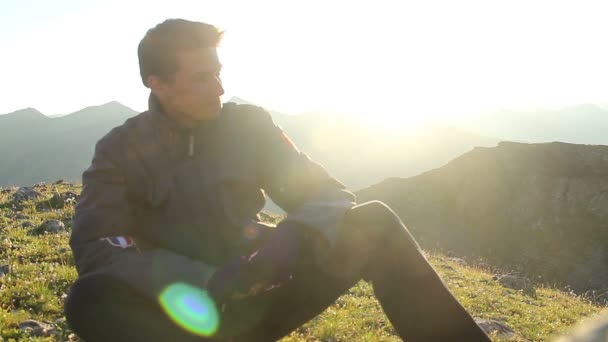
{"x":104,"y":210}
{"x":300,"y":186}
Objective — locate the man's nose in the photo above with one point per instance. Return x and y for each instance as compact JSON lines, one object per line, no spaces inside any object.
{"x":217,"y":85}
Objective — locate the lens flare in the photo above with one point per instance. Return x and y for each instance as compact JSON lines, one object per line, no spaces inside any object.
{"x":191,"y":308}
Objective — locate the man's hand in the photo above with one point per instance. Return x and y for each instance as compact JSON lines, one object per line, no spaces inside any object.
{"x":267,"y":268}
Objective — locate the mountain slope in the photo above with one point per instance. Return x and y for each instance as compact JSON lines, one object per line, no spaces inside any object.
{"x":541,"y":209}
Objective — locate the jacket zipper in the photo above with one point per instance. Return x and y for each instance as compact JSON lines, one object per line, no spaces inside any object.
{"x":191,"y":146}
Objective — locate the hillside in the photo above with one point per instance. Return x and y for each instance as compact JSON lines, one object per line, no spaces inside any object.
{"x":537,"y":209}
{"x":36,"y":269}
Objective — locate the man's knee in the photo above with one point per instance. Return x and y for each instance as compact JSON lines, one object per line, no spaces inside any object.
{"x":381,"y":227}
{"x":375,"y":218}
{"x":373,"y":208}
{"x":89,"y":298}
{"x":79,"y":300}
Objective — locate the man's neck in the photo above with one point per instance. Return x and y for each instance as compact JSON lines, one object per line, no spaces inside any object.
{"x":182,"y":119}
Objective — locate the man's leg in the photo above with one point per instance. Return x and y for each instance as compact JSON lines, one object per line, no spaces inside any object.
{"x":102,"y":308}
{"x":375,"y":245}
{"x":284,"y":309}
{"x":411,"y":293}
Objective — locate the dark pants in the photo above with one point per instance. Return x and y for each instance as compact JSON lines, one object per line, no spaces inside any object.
{"x":373,"y":244}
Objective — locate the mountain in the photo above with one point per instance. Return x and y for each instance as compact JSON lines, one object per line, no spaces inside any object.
{"x":538,"y":209}
{"x":35,"y":148}
{"x":580,"y":124}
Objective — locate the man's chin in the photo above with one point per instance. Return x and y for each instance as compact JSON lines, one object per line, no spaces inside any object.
{"x":208,"y":113}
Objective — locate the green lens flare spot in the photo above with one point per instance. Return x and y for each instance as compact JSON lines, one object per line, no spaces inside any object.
{"x":191,"y":308}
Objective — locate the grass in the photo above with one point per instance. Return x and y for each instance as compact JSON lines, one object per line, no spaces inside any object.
{"x":41,"y":270}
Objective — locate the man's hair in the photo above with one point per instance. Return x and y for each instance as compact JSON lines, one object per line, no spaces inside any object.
{"x":157,"y":50}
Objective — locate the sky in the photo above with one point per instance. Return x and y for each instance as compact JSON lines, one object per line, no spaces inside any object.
{"x":380,"y":60}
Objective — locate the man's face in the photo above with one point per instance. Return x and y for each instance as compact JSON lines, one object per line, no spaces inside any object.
{"x":193,"y":93}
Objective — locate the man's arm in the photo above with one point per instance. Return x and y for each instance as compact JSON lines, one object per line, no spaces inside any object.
{"x":104,"y":210}
{"x":302,"y":187}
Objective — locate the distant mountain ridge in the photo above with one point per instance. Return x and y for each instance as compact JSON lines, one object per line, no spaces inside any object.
{"x":37,"y":148}
{"x":580,"y":124}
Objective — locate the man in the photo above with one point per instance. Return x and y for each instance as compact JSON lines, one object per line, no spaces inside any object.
{"x":167,"y":236}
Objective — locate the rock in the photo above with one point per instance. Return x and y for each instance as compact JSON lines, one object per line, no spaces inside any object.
{"x":4,"y":270}
{"x":26,"y":193}
{"x":7,"y":190}
{"x":49,"y":226}
{"x":595,"y":330}
{"x":21,"y":216}
{"x":6,"y":244}
{"x":38,"y":329}
{"x":61,"y":199}
{"x":27,"y":224}
{"x":490,"y":326}
{"x":58,"y":201}
{"x":516,"y":283}
{"x":59,"y":182}
{"x":447,"y":267}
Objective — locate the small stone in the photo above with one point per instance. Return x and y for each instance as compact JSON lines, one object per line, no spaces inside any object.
{"x":63,"y":199}
{"x":59,"y":182}
{"x":4,"y":270}
{"x":27,"y":224}
{"x":5,"y":244}
{"x":38,"y":329}
{"x":49,"y":226}
{"x":26,"y":194}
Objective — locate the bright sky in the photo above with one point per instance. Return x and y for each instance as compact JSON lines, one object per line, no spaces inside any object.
{"x":381,"y":58}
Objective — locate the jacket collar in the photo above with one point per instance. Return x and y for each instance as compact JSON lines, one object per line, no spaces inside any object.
{"x":169,"y":129}
{"x":158,"y":113}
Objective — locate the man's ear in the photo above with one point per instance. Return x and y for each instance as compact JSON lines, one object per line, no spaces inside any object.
{"x":156,"y":85}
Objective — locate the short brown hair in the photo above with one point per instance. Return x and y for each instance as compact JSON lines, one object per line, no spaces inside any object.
{"x":156,"y":51}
